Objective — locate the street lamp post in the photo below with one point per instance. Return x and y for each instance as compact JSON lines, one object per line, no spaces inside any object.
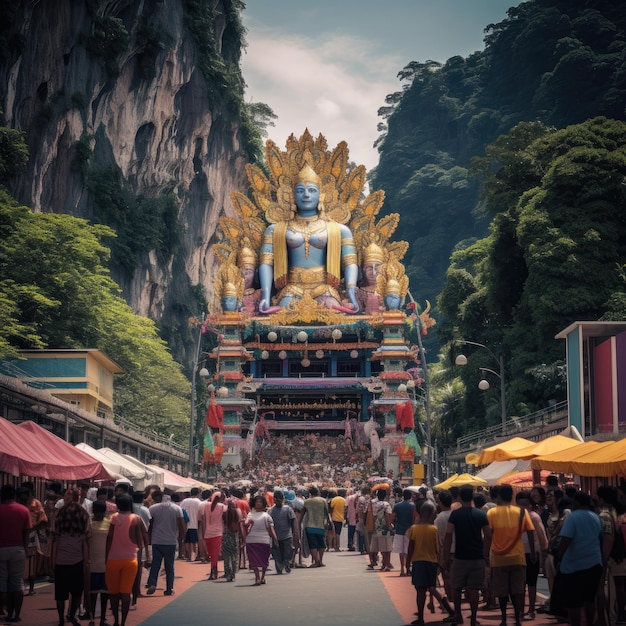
{"x":483,"y":385}
{"x":427,"y":405}
{"x":429,"y":464}
{"x":192,"y":413}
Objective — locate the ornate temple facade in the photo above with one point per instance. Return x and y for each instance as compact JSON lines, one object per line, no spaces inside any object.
{"x":308,"y":346}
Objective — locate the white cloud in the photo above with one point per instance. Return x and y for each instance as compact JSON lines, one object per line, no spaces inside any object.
{"x":332,"y":86}
{"x":328,"y":108}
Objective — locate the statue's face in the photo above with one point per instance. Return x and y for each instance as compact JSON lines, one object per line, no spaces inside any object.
{"x":392,"y":300}
{"x":248,"y":276}
{"x":229,"y":303}
{"x":307,"y":196}
{"x":370,"y":271}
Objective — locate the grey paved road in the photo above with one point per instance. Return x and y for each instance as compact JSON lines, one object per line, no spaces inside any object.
{"x":341,"y":594}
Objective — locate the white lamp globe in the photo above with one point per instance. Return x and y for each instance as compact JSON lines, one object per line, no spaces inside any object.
{"x":483,"y":385}
{"x":272,"y":336}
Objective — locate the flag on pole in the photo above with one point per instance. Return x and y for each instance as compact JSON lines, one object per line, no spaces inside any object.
{"x":209,"y":445}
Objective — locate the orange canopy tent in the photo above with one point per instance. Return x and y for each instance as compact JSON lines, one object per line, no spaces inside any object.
{"x":606,"y":461}
{"x":550,"y":445}
{"x":498,"y":452}
{"x":562,"y":461}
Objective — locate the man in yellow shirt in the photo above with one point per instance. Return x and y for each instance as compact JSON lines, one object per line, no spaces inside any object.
{"x":508,"y":557}
{"x":338,"y":515}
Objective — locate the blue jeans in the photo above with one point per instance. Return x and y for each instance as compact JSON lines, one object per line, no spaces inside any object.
{"x":162,"y":553}
{"x":351,"y":531}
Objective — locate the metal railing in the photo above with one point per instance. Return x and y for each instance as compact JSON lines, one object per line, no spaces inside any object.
{"x":514,"y":426}
{"x":136,"y":430}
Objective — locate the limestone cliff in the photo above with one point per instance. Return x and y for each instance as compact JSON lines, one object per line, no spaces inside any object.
{"x":120,"y":84}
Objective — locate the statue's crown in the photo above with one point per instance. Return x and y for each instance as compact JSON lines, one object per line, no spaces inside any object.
{"x":373,"y":253}
{"x":229,"y":290}
{"x":393,"y":287}
{"x":246,"y":256}
{"x":308,"y":175}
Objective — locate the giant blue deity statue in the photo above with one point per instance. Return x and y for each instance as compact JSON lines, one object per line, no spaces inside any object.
{"x":307,"y":234}
{"x":306,"y":254}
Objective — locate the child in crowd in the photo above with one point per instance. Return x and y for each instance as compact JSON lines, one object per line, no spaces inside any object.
{"x":423,"y":554}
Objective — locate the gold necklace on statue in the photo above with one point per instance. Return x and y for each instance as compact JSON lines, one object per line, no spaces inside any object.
{"x":307,"y":227}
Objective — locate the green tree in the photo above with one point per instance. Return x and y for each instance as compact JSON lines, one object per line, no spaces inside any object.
{"x":555,"y":253}
{"x":56,"y":292}
{"x":13,"y":153}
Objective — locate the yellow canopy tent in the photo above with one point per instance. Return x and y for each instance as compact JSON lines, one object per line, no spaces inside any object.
{"x":498,"y":452}
{"x":547,"y":446}
{"x":606,"y":461}
{"x":446,"y":483}
{"x":458,"y":480}
{"x":468,"y":479}
{"x":561,"y":461}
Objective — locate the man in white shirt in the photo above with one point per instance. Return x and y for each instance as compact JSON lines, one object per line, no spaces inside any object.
{"x":192,"y":505}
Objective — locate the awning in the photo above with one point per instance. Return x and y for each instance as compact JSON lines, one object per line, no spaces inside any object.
{"x":173,"y":481}
{"x":546,"y":446}
{"x":498,"y":452}
{"x":561,"y":461}
{"x":30,"y":450}
{"x":603,"y":462}
{"x":115,"y":469}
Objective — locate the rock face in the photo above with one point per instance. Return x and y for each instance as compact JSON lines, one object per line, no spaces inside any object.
{"x":160,"y":130}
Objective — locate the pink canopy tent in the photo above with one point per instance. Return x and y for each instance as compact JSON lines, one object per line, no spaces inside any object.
{"x":30,"y":450}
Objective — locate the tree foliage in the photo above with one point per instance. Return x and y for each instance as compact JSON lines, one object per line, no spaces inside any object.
{"x":56,"y":292}
{"x":555,"y":252}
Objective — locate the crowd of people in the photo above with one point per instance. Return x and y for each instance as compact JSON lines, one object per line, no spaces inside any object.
{"x":454,"y":545}
{"x":326,"y":460}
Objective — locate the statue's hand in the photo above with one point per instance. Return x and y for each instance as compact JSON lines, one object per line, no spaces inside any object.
{"x":353,"y":300}
{"x":266,"y":309}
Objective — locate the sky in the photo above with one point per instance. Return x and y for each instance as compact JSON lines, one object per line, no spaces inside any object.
{"x":327,"y":65}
